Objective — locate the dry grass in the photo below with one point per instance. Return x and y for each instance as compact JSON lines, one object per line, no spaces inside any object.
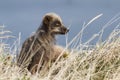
{"x":101,"y":62}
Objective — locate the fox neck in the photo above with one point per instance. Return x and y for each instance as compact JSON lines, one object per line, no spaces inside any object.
{"x":44,"y":34}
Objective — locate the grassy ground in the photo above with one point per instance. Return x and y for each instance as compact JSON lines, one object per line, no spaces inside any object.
{"x":101,"y":62}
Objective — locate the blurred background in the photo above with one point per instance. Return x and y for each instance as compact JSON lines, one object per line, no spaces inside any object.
{"x":25,"y":16}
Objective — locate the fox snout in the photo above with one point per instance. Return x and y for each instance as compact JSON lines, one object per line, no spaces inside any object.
{"x":64,"y":30}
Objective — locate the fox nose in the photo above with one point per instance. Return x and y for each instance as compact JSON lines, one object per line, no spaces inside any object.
{"x":67,"y":30}
{"x":64,"y":30}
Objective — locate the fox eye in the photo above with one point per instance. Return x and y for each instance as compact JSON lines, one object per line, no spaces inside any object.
{"x":57,"y":23}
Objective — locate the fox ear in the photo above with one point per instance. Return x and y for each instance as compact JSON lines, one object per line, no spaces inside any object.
{"x":47,"y":19}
